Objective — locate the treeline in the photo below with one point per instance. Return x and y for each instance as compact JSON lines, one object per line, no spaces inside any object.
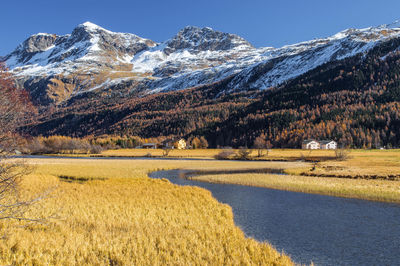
{"x":68,"y":145}
{"x":117,"y":142}
{"x":94,"y":145}
{"x":128,"y":142}
{"x":59,"y":145}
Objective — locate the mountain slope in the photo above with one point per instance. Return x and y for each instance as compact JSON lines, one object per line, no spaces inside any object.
{"x":204,"y":82}
{"x":355,"y":101}
{"x":57,"y":68}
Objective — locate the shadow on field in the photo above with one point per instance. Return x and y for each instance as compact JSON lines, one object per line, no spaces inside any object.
{"x":75,"y":179}
{"x":190,"y":173}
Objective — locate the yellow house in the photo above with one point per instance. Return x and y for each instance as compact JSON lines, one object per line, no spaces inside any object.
{"x":181,"y":144}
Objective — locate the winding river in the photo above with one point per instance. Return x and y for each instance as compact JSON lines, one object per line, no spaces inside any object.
{"x":322,"y":229}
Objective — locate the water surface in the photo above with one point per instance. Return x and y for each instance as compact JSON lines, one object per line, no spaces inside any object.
{"x":323,"y":229}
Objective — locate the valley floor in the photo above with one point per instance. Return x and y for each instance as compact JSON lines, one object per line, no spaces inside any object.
{"x":363,"y":174}
{"x":110,"y":212}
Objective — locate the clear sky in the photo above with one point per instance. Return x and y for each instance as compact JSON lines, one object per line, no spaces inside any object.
{"x":261,"y":22}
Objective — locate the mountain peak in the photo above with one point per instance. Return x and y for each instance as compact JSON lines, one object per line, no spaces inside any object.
{"x":191,"y":28}
{"x":89,"y":24}
{"x":91,"y":27}
{"x":85,"y":30}
{"x":87,"y":42}
{"x":37,"y":43}
{"x":203,"y":39}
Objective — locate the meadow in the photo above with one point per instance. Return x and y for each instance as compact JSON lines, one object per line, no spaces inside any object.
{"x":364,"y":174}
{"x":196,"y":153}
{"x":273,"y":154}
{"x":376,"y":190}
{"x":381,"y":158}
{"x":108,"y":212}
{"x":358,"y":164}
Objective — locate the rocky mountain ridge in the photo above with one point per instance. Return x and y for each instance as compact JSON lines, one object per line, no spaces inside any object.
{"x":55,"y":69}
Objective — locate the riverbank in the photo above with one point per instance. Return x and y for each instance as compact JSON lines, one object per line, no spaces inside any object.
{"x":361,"y":157}
{"x":375,"y":190}
{"x":310,"y":227}
{"x":363,"y":174}
{"x":110,"y":212}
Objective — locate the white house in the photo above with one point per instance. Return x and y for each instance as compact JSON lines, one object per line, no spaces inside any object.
{"x":310,"y":144}
{"x":328,"y":144}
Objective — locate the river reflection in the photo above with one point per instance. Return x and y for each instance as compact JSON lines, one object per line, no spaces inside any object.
{"x":323,"y":229}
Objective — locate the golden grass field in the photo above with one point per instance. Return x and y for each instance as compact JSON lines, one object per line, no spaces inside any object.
{"x":127,"y":219}
{"x":377,"y":190}
{"x":361,"y":164}
{"x":123,"y":217}
{"x":368,"y":170}
{"x":363,"y":159}
{"x":273,"y":154}
{"x":196,"y":153}
{"x":364,"y":162}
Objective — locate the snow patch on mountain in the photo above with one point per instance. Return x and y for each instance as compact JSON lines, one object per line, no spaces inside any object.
{"x":89,"y":26}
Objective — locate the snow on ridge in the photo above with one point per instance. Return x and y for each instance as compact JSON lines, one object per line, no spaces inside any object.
{"x":185,"y":67}
{"x":375,"y":33}
{"x":297,"y":59}
{"x":42,"y":34}
{"x":394,"y":25}
{"x":92,"y":27}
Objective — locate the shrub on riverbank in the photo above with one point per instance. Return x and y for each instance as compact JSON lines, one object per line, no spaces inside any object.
{"x":225,"y":155}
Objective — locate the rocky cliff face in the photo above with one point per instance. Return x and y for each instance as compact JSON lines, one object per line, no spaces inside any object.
{"x":97,"y":62}
{"x":204,"y":39}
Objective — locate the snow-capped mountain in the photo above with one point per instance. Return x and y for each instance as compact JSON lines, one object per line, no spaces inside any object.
{"x":92,"y":59}
{"x":88,"y":43}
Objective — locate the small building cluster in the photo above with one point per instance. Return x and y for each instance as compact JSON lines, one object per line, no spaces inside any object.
{"x":311,"y":144}
{"x":166,"y":144}
{"x":179,"y":144}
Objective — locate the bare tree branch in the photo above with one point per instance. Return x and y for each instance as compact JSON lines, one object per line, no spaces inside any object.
{"x":14,"y":107}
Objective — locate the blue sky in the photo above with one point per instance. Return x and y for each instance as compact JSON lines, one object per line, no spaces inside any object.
{"x":261,"y":22}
